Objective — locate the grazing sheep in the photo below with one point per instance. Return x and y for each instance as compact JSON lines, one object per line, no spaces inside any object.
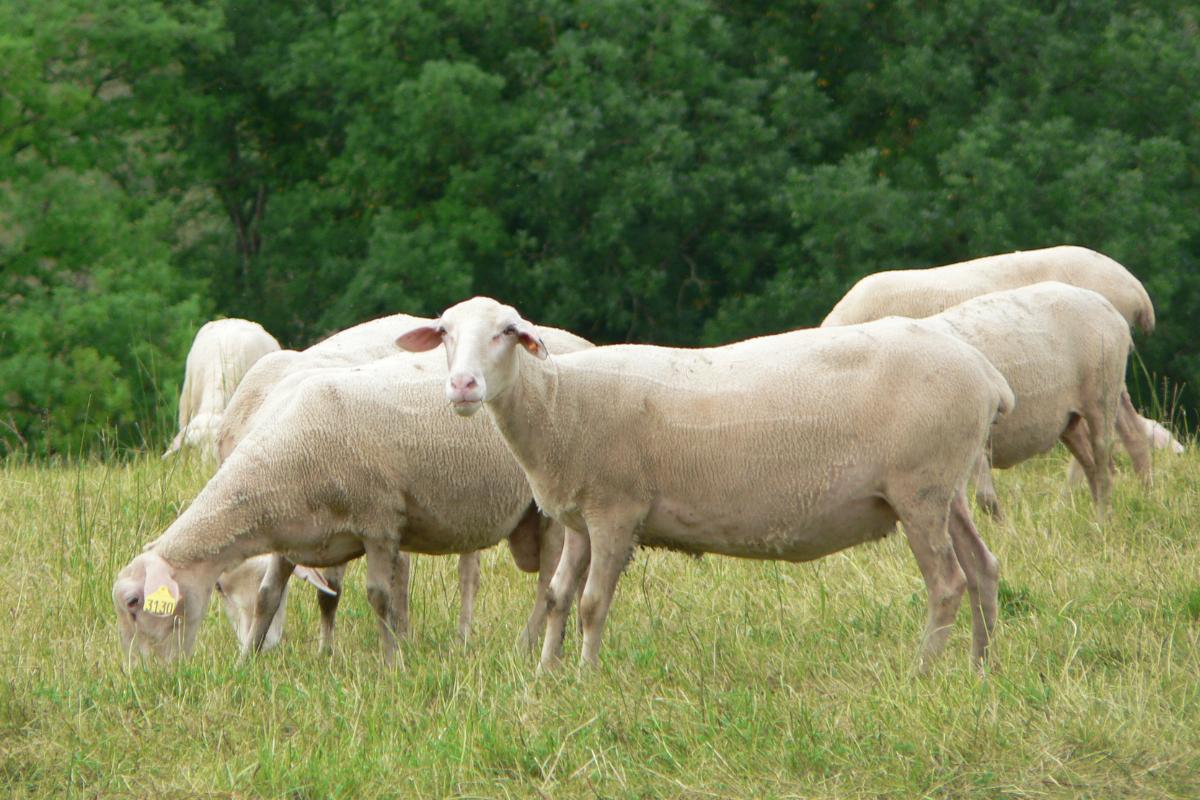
{"x":364,"y":462}
{"x":1062,"y":350}
{"x":267,"y":386}
{"x":783,"y":447}
{"x":221,"y":354}
{"x":924,"y":292}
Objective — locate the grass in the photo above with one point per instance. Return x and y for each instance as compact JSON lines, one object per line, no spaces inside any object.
{"x":720,"y":678}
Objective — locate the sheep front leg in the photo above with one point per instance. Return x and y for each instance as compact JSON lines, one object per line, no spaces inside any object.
{"x":266,"y":603}
{"x":612,"y":545}
{"x":575,"y":556}
{"x":387,"y":592}
{"x":468,"y":587}
{"x":328,"y":604}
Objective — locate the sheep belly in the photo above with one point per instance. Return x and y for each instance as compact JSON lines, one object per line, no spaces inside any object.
{"x":732,"y":531}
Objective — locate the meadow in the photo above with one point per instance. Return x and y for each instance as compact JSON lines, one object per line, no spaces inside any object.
{"x":720,"y":678}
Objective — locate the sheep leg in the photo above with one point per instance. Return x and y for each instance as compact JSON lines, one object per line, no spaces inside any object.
{"x":266,"y":603}
{"x":1081,"y":440}
{"x":1133,"y":437}
{"x":1100,"y":428}
{"x":985,"y":490}
{"x":575,"y":555}
{"x":387,"y":592}
{"x":1076,"y":438}
{"x":468,"y":587}
{"x":926,"y":522}
{"x":612,"y":545}
{"x":328,"y":604}
{"x":983,"y":576}
{"x":550,"y":547}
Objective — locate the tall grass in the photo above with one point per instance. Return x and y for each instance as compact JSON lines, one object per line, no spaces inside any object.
{"x":720,"y":678}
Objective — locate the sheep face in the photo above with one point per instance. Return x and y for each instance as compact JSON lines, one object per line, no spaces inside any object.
{"x":481,"y":338}
{"x":156,"y":618}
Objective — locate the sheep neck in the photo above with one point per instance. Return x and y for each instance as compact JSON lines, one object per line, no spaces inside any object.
{"x":227,"y":521}
{"x":530,"y":417}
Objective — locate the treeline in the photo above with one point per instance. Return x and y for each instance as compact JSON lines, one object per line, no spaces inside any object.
{"x":679,"y":172}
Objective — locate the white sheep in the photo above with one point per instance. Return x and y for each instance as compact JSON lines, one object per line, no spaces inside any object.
{"x":222,"y":351}
{"x":266,"y":387}
{"x":923,"y":292}
{"x":1063,"y":351}
{"x":365,"y":462}
{"x":783,"y":447}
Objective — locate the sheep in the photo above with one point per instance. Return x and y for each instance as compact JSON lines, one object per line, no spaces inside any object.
{"x":788,"y":447}
{"x":924,"y":292}
{"x":1062,"y":350}
{"x":221,"y":353}
{"x":362,"y":462}
{"x":360,"y":344}
{"x":267,"y":385}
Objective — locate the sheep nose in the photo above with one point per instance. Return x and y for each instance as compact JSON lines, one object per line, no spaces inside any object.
{"x":462,"y":383}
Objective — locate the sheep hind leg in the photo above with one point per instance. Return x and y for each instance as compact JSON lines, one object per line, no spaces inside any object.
{"x":1134,"y":438}
{"x":925,"y":518}
{"x":1078,"y":441}
{"x":328,"y":605}
{"x":982,"y":571}
{"x":266,"y":603}
{"x":576,"y":555}
{"x":387,"y":592}
{"x":1097,"y":466}
{"x":468,"y":587}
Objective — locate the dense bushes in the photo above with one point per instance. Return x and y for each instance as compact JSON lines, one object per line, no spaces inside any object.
{"x":678,"y":172}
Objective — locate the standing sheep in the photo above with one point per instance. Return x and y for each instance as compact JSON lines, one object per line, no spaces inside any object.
{"x":784,"y":447}
{"x":1062,"y":350}
{"x":221,"y":354}
{"x":361,"y":463}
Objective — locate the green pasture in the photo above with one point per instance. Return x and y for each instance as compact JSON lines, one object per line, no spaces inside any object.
{"x":720,"y":678}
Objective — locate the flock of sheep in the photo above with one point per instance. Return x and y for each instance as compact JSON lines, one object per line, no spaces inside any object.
{"x":791,"y":446}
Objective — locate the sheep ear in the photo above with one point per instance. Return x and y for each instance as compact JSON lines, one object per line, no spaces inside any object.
{"x":160,"y":592}
{"x":315,"y":578}
{"x":527,"y":336}
{"x":418,"y":340}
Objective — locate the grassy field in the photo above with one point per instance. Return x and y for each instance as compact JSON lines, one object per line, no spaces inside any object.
{"x":720,"y":678}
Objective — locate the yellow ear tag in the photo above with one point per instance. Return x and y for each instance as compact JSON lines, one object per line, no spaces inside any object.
{"x":160,"y":603}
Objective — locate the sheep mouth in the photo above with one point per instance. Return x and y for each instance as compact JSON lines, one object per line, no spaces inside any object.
{"x":465,"y":408}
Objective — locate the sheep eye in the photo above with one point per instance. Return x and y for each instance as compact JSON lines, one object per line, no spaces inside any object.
{"x":133,"y":602}
{"x":511,"y":330}
{"x":441,"y":330}
{"x":220,"y":589}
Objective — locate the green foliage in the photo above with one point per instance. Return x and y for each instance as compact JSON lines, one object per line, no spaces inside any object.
{"x":680,"y":172}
